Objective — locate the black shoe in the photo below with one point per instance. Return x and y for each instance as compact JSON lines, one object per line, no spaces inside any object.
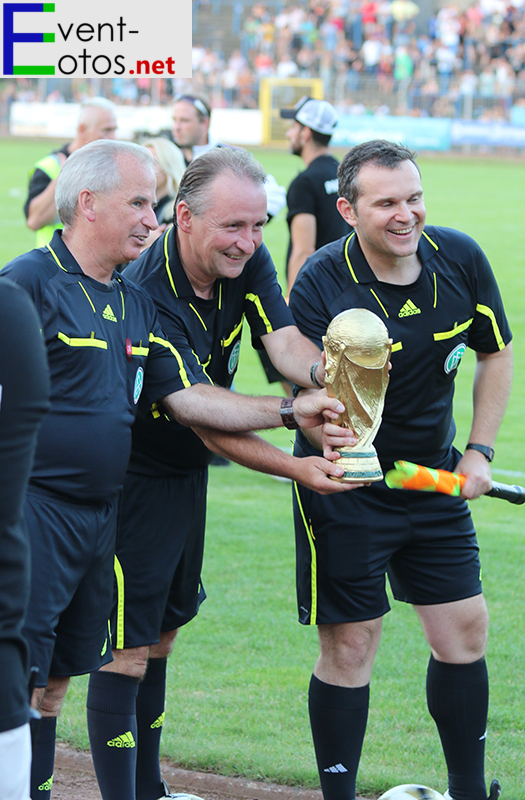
{"x":495,"y":790}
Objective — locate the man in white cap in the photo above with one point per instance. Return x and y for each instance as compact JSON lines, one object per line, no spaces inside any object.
{"x":312,"y":217}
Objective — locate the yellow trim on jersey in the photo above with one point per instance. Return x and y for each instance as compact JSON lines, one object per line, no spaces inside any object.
{"x":167,"y":261}
{"x":435,"y":290}
{"x":88,"y":297}
{"x":83,"y":342}
{"x":119,"y":576}
{"x":233,"y":334}
{"x":488,"y":312}
{"x":140,"y":351}
{"x":397,"y":346}
{"x":199,"y":316}
{"x":427,"y":237}
{"x":258,"y":305}
{"x":347,"y":259}
{"x":203,"y":365}
{"x":55,"y":257}
{"x":313,"y":563}
{"x":182,"y":372}
{"x":455,"y":330}
{"x":220,"y":296}
{"x":123,"y":306}
{"x":380,"y":303}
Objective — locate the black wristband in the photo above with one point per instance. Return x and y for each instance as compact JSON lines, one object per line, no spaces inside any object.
{"x":287,"y":414}
{"x":487,"y":451}
{"x":312,"y":375}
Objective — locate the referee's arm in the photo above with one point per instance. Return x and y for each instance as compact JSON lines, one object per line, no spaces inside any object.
{"x":251,"y":451}
{"x":293,"y":355}
{"x":492,"y":383}
{"x":303,"y":234}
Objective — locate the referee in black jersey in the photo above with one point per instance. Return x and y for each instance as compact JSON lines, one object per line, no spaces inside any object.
{"x":435,"y":291}
{"x":208,"y":276}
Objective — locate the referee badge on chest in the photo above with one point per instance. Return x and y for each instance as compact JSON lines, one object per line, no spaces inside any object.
{"x":234,"y":357}
{"x":139,"y":383}
{"x":454,"y":357}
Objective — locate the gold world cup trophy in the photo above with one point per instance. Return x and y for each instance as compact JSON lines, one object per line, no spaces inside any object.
{"x":358,"y":348}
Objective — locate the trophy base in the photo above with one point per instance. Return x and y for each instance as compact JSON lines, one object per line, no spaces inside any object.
{"x":359,"y":467}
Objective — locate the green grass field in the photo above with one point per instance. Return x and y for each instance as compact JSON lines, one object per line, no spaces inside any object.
{"x":238,"y":678}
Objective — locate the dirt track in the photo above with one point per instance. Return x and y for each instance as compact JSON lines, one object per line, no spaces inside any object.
{"x":74,"y":779}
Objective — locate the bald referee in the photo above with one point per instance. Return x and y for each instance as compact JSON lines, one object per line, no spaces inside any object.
{"x":96,"y":120}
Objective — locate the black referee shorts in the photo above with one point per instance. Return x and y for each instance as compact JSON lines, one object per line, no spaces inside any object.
{"x":160,"y":547}
{"x":346,"y":543}
{"x":72,"y":556}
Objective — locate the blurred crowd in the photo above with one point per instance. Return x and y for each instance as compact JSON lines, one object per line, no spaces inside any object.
{"x":360,"y":49}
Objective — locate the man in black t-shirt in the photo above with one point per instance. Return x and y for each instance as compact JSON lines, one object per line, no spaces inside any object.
{"x":312,"y":216}
{"x":435,"y":291}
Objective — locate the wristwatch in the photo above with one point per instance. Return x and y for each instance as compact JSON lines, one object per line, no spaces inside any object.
{"x":287,"y":416}
{"x":487,"y":451}
{"x":314,"y":380}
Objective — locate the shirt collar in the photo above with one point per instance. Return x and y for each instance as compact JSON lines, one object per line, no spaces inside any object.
{"x":177,"y":277}
{"x":357,"y":264}
{"x":61,"y":255}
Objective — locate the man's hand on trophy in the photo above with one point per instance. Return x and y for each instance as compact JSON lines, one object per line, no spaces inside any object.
{"x":317,"y":475}
{"x":335,"y":436}
{"x":311,"y":409}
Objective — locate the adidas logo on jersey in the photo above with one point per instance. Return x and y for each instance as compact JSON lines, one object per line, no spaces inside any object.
{"x":46,"y":786}
{"x":124,"y":740}
{"x":108,"y":314}
{"x":336,"y":768}
{"x":159,"y":722}
{"x":409,"y":309}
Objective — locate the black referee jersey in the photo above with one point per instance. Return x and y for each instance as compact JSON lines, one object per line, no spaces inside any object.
{"x":105,"y":348}
{"x":455,"y":303}
{"x":207,"y":333}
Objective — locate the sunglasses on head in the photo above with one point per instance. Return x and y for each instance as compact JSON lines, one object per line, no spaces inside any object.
{"x":199,"y":105}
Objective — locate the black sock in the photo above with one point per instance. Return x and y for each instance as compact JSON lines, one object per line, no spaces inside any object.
{"x":338,"y":717}
{"x":43,"y":760}
{"x":112,"y":727}
{"x":150,"y":719}
{"x":458,"y":700}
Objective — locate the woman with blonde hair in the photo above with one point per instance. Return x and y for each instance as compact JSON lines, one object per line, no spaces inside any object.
{"x":169,"y":167}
